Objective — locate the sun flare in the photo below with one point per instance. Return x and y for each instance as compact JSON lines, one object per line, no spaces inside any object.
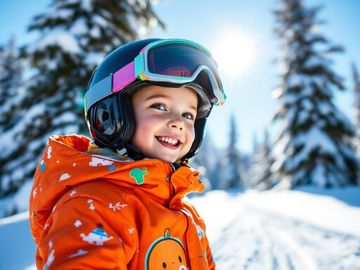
{"x":235,"y":52}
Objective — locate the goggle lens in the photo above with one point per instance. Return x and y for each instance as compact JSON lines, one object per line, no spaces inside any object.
{"x":177,"y":60}
{"x":181,"y":62}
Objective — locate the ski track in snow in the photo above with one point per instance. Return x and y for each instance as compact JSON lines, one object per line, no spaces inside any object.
{"x":256,"y":239}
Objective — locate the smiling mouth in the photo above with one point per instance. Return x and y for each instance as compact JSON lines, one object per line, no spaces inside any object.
{"x":169,"y":142}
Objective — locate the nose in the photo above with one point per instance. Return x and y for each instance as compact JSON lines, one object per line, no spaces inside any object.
{"x":176,"y":122}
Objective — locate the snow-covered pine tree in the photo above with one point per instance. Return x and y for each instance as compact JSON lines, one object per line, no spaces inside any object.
{"x":260,"y":175}
{"x":313,"y":147}
{"x":356,"y":93}
{"x":11,"y":75}
{"x":230,"y":175}
{"x":11,"y":93}
{"x":73,"y":36}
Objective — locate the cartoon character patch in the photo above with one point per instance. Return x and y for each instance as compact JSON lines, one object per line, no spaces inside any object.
{"x":166,"y":253}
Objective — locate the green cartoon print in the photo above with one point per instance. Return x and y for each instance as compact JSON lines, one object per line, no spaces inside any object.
{"x":138,"y":174}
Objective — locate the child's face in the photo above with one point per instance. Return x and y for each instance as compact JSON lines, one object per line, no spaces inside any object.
{"x":165,"y":120}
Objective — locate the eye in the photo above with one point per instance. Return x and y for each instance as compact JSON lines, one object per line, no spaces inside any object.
{"x":158,"y":106}
{"x":180,"y":259}
{"x":189,"y":116}
{"x":164,"y":265}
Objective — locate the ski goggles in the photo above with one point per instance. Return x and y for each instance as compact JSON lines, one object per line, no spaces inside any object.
{"x":176,"y":61}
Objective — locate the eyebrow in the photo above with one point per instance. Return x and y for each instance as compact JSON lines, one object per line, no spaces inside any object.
{"x":154,"y":96}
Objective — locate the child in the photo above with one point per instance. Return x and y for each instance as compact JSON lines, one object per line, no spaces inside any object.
{"x":117,"y":202}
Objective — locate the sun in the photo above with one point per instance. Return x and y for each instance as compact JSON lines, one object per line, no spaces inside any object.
{"x":235,"y":52}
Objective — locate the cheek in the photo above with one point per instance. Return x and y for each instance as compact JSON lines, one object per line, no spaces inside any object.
{"x":141,"y":128}
{"x":190,"y":133}
{"x":146,"y":126}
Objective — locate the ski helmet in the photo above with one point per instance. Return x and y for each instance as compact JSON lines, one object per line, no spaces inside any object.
{"x":108,"y":106}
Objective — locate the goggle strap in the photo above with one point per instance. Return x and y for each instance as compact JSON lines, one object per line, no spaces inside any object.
{"x":123,"y":77}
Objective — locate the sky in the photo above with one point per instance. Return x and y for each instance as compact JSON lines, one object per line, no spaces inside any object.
{"x":240,"y":36}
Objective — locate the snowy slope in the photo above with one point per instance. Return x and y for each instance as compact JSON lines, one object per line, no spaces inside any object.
{"x":17,"y":248}
{"x":284,"y":230}
{"x":270,"y":230}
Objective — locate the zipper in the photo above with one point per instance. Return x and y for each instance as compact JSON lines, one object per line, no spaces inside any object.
{"x":171,"y":186}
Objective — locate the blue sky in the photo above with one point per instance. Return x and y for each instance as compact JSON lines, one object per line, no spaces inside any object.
{"x":210,"y":23}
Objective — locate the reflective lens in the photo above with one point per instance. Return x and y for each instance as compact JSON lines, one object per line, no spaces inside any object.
{"x":177,"y":60}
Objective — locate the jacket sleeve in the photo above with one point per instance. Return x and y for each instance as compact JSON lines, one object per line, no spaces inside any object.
{"x":85,"y":233}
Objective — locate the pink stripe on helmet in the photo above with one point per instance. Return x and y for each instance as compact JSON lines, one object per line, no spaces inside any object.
{"x":123,"y":77}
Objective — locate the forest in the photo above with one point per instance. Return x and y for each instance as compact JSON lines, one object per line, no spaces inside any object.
{"x":316,"y":144}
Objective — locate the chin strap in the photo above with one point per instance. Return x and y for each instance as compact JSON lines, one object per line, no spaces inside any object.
{"x":132,"y":152}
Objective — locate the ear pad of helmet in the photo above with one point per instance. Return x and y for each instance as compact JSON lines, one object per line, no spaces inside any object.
{"x":112,"y":121}
{"x":103,"y":121}
{"x":105,"y":118}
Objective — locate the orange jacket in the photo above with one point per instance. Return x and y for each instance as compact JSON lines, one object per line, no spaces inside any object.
{"x":91,"y":211}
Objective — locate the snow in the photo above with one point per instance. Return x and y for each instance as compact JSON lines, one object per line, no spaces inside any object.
{"x":317,"y":229}
{"x":309,"y":228}
{"x":79,"y":27}
{"x":22,"y":197}
{"x":17,"y":248}
{"x":58,"y":37}
{"x":9,"y":136}
{"x":64,"y":118}
{"x":314,"y":138}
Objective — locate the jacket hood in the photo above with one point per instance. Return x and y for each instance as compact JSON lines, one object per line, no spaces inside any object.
{"x":72,"y":160}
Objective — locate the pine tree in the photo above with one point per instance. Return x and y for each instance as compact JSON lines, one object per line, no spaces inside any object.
{"x":356,"y":91}
{"x":260,"y":176}
{"x":230,"y":176}
{"x":11,"y":74}
{"x":313,"y":147}
{"x":74,"y":36}
{"x":11,"y":93}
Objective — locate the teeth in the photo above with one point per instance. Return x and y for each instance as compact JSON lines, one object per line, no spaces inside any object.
{"x":168,"y":140}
